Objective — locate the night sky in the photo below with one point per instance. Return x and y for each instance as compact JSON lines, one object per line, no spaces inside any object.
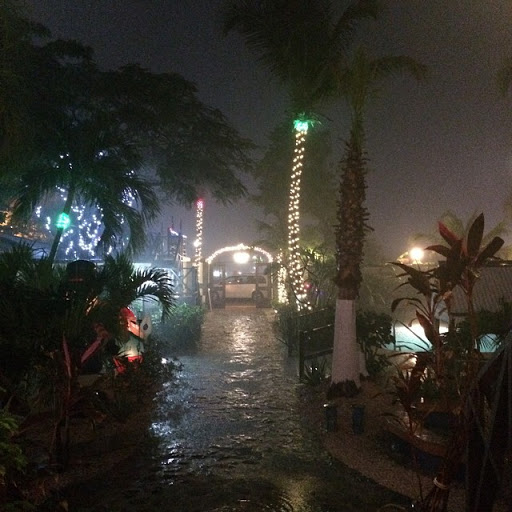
{"x":444,"y":144}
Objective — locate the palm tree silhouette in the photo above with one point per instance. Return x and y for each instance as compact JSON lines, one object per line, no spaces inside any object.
{"x":303,"y":44}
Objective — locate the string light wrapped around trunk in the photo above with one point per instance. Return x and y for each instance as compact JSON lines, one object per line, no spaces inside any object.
{"x":294,"y":262}
{"x":199,"y":232}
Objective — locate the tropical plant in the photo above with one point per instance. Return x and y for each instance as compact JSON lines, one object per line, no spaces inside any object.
{"x":303,"y":44}
{"x":376,"y":290}
{"x":126,"y":392}
{"x":359,"y":84}
{"x":408,"y":381}
{"x":315,"y":373}
{"x":319,"y":267}
{"x":286,"y":326}
{"x":458,"y":226}
{"x":12,"y":459}
{"x":84,"y":152}
{"x":97,"y":303}
{"x":374,"y":334}
{"x":463,"y":259}
{"x":494,"y":323}
{"x":290,"y":322}
{"x":55,"y":320}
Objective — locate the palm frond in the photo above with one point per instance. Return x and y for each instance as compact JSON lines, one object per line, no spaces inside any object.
{"x":123,"y":284}
{"x":297,"y":41}
{"x":346,"y":26}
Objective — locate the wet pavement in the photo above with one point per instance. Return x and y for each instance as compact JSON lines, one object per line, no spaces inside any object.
{"x":228,"y":435}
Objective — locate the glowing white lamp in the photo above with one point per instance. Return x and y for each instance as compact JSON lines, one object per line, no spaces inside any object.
{"x":241,"y":257}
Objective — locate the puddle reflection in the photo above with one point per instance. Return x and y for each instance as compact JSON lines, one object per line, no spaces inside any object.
{"x":228,"y":437}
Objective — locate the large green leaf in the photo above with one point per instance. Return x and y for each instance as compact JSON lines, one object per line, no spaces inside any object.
{"x":427,"y":326}
{"x":474,"y":237}
{"x":489,"y":250}
{"x":418,"y":279}
{"x":440,"y":249}
{"x":447,"y":234}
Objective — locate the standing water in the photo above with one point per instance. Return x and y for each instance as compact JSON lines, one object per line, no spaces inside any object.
{"x":228,"y":436}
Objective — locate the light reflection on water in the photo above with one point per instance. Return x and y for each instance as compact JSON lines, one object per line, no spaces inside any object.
{"x":241,"y":413}
{"x":229,"y":432}
{"x":412,"y":339}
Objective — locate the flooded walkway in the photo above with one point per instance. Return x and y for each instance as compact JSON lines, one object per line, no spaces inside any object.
{"x":228,"y":435}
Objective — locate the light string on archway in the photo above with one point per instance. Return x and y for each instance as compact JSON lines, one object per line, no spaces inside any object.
{"x":240,"y":247}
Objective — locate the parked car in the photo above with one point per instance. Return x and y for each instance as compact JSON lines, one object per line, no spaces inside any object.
{"x":242,"y":287}
{"x":245,"y":287}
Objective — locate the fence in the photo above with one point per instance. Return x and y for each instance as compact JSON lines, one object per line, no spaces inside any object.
{"x":315,"y":347}
{"x":293,"y":324}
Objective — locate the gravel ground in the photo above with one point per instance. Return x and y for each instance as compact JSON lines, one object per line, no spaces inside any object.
{"x":369,"y":453}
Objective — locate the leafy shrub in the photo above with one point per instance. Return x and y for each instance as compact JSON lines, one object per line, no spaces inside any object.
{"x":12,"y":458}
{"x":373,"y":334}
{"x":286,"y":325}
{"x":316,"y":373}
{"x":182,"y":329}
{"x":118,"y":395}
{"x":495,"y":323}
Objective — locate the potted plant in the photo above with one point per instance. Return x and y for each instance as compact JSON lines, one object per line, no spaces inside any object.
{"x":454,"y":361}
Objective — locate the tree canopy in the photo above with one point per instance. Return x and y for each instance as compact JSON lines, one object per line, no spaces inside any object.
{"x":111,"y":140}
{"x":303,"y":43}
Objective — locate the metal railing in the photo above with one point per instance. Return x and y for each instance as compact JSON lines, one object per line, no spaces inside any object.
{"x":295,"y":324}
{"x":314,"y":344}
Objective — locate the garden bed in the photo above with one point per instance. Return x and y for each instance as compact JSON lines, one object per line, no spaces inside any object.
{"x":426,"y":445}
{"x":98,"y":445}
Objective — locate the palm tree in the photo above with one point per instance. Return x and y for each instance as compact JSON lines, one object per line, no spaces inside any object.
{"x":94,"y":167}
{"x":91,"y":131}
{"x":358,"y":84}
{"x":318,"y":178}
{"x":302,"y":43}
{"x":464,"y":256}
{"x":85,"y":154}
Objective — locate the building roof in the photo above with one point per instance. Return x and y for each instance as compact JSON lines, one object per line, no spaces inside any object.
{"x":492,"y":288}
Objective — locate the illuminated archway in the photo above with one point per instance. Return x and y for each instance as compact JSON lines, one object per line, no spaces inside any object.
{"x":240,"y":247}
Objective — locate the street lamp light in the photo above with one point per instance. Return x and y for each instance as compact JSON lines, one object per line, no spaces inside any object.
{"x":416,"y":255}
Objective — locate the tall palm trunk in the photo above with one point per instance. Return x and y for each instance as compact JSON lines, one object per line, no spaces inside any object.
{"x":294,"y":261}
{"x":352,"y":219}
{"x":350,"y":237}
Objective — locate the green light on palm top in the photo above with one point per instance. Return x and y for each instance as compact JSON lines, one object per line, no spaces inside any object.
{"x":63,"y":221}
{"x":300,"y":125}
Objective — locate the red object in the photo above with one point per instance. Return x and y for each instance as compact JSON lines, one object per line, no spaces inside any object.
{"x":131,"y":321}
{"x":133,"y":327}
{"x":121,"y":367}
